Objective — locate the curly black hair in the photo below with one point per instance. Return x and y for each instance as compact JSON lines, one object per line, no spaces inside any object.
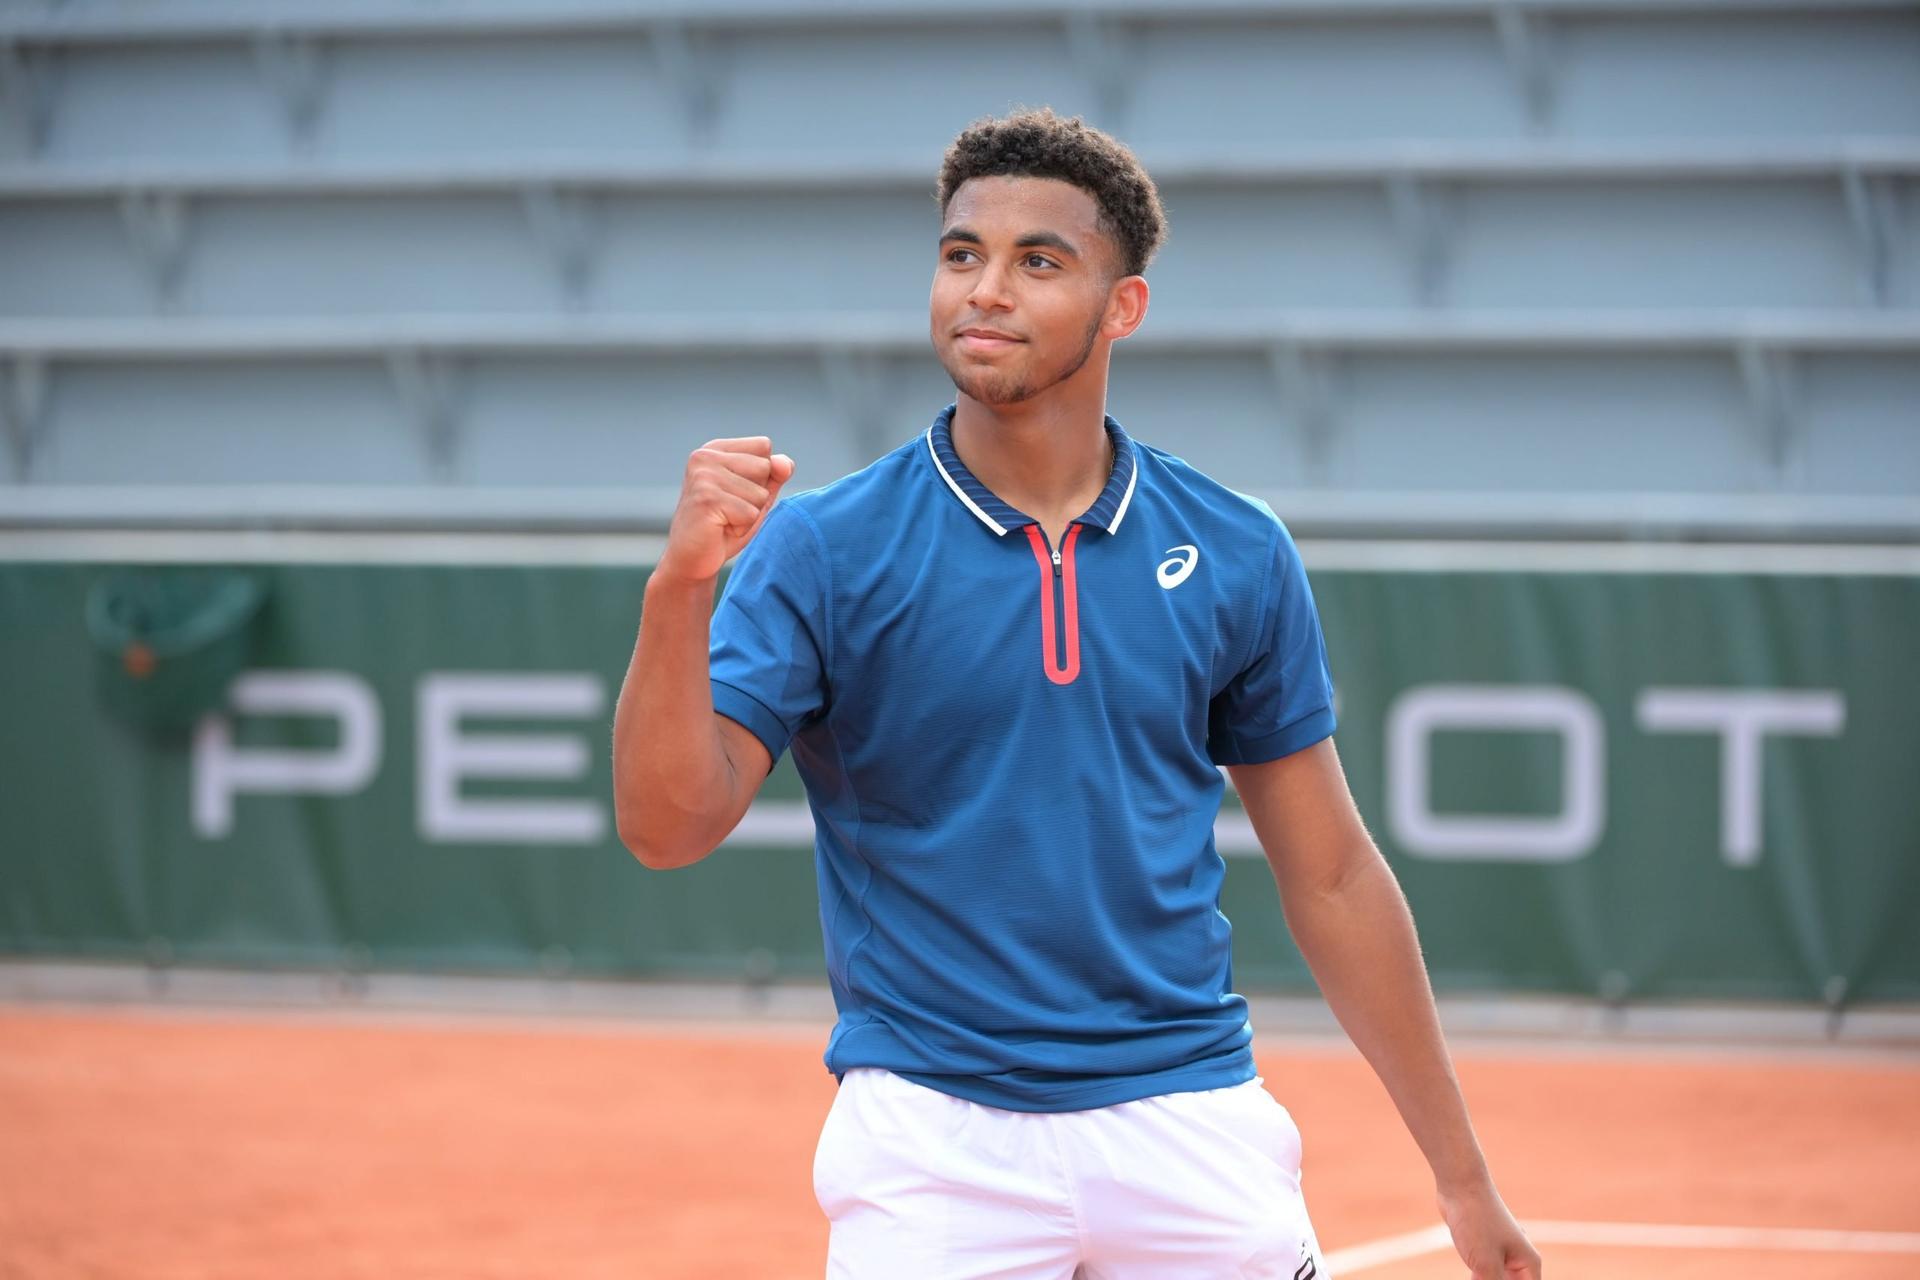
{"x":1039,"y":144}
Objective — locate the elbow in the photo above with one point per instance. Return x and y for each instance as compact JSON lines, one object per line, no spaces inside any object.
{"x":1358,"y":867}
{"x":644,"y":853}
{"x":657,"y":858}
{"x":1363,"y":867}
{"x":653,"y":849}
{"x":646,"y":846}
{"x":664,"y":823}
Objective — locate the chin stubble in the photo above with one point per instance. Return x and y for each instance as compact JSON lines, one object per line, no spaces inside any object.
{"x":1026,"y":390}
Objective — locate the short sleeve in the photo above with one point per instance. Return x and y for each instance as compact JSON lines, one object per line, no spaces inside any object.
{"x":768,"y":650}
{"x":1282,"y":700}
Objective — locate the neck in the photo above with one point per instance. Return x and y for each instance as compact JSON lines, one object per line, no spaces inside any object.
{"x":1048,"y":461}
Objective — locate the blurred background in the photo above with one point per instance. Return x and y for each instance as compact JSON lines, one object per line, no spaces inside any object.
{"x":351,"y":354}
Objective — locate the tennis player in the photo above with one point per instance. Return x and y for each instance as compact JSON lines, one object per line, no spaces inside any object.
{"x":1010,"y":658}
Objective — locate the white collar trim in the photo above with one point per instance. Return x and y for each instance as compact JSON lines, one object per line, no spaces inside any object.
{"x":961,"y":494}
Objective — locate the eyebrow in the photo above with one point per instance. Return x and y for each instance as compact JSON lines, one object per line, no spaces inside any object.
{"x":1032,"y":239}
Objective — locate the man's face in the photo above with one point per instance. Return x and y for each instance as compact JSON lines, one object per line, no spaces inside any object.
{"x":1022,"y":257}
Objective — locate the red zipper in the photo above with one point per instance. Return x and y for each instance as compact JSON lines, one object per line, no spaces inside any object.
{"x":1061,"y":565}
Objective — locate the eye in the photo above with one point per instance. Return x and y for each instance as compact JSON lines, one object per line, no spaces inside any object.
{"x":1041,"y":259}
{"x":952,"y":252}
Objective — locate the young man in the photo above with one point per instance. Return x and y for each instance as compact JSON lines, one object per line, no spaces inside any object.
{"x":1009,"y":658}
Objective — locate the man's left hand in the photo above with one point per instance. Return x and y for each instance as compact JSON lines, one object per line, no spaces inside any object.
{"x":1490,"y":1242}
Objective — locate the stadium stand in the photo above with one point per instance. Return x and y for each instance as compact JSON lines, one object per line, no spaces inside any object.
{"x":1541,"y":268}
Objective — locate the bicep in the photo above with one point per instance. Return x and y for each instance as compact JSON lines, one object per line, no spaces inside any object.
{"x":1304,"y":813}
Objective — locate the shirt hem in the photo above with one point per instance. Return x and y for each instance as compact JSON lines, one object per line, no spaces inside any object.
{"x":1087,"y":1097}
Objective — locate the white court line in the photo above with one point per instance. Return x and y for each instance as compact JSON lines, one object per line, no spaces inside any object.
{"x":1378,"y":1253}
{"x":1658,"y":1235}
{"x":1633,"y":1235}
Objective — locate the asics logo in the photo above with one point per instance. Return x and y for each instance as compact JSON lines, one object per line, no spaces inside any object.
{"x":1176,"y":568}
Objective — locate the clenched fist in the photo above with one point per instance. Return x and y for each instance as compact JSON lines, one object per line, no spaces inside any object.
{"x":729,"y":487}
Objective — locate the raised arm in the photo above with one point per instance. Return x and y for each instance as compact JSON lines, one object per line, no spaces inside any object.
{"x":1352,"y":924}
{"x":683,"y":775}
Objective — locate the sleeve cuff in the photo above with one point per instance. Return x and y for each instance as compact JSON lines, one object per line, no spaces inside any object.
{"x":1284,"y":741}
{"x":739,"y":705}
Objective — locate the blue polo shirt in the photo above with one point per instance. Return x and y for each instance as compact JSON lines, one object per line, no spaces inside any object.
{"x":1011,"y":753}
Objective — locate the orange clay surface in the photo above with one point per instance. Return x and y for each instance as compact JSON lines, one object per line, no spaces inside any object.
{"x":168,"y":1143}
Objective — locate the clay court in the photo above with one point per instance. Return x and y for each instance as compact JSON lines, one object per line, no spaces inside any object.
{"x":177,"y":1142}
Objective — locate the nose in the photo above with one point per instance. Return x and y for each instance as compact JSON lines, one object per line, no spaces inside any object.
{"x":990,"y":292}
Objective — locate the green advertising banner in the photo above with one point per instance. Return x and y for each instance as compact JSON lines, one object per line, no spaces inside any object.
{"x":1624,"y":781}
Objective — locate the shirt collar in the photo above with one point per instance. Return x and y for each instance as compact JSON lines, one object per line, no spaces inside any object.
{"x":1106,"y":512}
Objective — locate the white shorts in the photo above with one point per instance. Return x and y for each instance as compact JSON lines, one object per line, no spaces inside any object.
{"x":920,"y":1185}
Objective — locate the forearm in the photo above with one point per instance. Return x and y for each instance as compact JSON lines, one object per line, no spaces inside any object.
{"x":1359,"y":940}
{"x":671,"y":771}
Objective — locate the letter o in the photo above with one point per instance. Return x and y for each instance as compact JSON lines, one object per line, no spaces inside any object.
{"x":1422,"y":711}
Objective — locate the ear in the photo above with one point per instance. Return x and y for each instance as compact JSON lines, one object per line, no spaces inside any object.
{"x":1126,"y":307}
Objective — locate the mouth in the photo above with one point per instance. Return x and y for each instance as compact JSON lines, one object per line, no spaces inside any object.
{"x":987,"y":340}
